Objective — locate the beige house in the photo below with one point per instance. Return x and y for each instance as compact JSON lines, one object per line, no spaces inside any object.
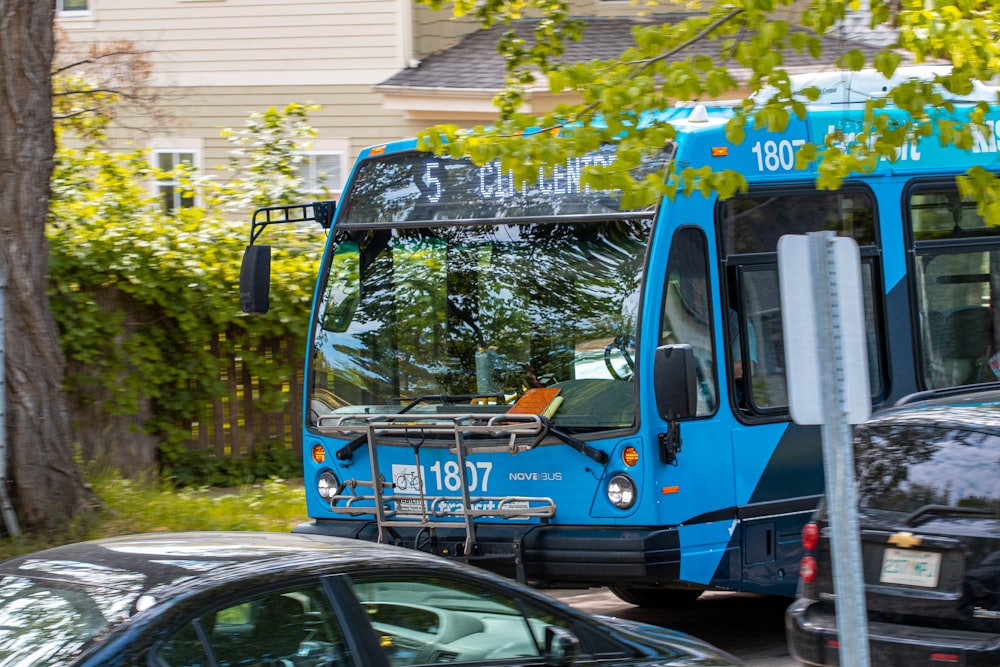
{"x":380,"y":69}
{"x":218,"y":60}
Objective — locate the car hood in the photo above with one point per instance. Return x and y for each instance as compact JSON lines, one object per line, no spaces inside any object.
{"x":701,"y":652}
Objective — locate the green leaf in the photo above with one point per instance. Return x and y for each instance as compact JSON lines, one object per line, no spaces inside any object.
{"x":853,"y":59}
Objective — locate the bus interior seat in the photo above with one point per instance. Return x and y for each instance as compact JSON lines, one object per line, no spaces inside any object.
{"x":968,"y":341}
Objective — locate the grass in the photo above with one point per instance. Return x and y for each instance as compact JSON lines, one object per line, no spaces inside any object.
{"x":141,"y":507}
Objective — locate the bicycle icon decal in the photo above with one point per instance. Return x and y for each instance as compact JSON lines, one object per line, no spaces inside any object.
{"x":406,"y":479}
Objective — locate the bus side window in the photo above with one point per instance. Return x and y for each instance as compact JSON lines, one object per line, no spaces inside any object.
{"x":956,"y":288}
{"x":749,"y":228}
{"x":959,"y":336}
{"x":687,"y":310}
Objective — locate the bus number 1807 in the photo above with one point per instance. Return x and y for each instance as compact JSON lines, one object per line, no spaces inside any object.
{"x":776,"y":155}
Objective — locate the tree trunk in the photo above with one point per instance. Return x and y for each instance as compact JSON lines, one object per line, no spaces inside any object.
{"x":48,"y":487}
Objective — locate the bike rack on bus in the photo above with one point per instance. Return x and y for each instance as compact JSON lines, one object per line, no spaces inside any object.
{"x":496,"y":433}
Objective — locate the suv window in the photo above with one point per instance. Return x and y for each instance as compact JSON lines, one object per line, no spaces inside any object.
{"x":905,"y":466}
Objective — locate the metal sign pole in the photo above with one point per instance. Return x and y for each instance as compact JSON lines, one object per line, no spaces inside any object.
{"x":6,"y":507}
{"x":826,"y":357}
{"x":838,"y":457}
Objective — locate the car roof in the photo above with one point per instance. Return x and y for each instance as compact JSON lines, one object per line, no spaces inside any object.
{"x":157,"y":562}
{"x":977,"y":409}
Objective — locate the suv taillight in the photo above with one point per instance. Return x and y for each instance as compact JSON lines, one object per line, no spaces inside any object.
{"x":810,"y":536}
{"x":807,"y":569}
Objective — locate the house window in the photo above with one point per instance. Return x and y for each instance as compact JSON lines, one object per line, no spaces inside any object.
{"x":322,"y":172}
{"x":72,"y":6}
{"x":167,"y":189}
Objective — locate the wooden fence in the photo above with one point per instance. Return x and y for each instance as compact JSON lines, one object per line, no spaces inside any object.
{"x":236,"y":423}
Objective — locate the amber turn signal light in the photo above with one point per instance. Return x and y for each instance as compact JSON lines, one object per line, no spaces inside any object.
{"x":630,"y":456}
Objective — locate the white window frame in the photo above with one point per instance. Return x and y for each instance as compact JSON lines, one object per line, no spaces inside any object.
{"x":73,"y":12}
{"x":338,"y":153}
{"x":158,"y":184}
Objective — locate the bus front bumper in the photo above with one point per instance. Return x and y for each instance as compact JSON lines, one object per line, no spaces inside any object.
{"x":542,"y":555}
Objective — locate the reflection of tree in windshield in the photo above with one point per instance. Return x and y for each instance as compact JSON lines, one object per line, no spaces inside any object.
{"x":484,"y":309}
{"x":378,"y":177}
{"x":904,"y":466}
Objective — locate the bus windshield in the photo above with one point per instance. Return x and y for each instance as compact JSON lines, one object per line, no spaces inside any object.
{"x":450,"y":319}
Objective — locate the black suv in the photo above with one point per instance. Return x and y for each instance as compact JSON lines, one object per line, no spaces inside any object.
{"x":928,"y":479}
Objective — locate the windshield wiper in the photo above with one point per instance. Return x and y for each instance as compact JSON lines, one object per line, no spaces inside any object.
{"x":597,"y":455}
{"x":945,"y":510}
{"x":579,"y":445}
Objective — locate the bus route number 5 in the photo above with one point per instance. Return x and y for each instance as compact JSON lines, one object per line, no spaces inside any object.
{"x":432,"y":183}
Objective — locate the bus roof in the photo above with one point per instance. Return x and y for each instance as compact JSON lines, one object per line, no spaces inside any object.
{"x":840,"y":87}
{"x":840,"y":108}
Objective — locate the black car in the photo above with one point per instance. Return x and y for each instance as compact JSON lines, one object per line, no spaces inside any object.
{"x":218,"y":599}
{"x":928,"y":481}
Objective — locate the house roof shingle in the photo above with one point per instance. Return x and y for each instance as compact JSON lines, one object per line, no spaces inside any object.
{"x":474,"y":64}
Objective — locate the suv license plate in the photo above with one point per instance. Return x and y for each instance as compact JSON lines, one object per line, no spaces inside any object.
{"x":911,"y":568}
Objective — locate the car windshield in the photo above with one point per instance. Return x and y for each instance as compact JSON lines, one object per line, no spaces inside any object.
{"x":477,"y":315}
{"x":904,"y":466}
{"x":44,"y":622}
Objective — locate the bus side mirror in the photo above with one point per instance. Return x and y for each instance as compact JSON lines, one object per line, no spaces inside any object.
{"x":255,"y":279}
{"x":675,"y":381}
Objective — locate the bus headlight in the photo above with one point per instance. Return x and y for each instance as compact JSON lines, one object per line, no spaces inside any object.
{"x":621,"y":491}
{"x":327,"y":485}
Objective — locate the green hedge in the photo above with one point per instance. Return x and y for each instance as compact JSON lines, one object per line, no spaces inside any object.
{"x":178,"y":277}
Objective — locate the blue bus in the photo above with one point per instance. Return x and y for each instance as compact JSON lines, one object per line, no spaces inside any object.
{"x":538,"y":380}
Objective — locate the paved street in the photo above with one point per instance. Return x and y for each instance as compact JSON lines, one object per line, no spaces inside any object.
{"x":749,"y":626}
